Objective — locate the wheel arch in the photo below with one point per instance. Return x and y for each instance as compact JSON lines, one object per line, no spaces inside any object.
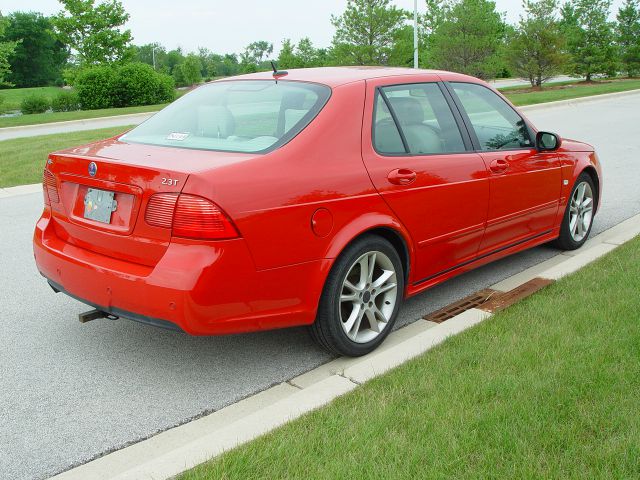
{"x":593,"y":173}
{"x":399,"y":244}
{"x":372,"y":224}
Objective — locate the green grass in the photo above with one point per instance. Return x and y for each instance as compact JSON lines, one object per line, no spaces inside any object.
{"x":549,"y":388}
{"x":569,"y":91}
{"x":22,"y":159}
{"x":12,"y":97}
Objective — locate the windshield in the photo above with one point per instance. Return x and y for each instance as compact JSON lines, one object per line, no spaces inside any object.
{"x":234,"y":116}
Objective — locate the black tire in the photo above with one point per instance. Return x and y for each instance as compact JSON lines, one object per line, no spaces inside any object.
{"x":566,"y":241}
{"x":327,"y":330}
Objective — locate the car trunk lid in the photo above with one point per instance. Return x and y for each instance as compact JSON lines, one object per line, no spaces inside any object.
{"x":122,"y":177}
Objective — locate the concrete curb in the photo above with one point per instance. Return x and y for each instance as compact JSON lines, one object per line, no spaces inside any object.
{"x":176,"y":450}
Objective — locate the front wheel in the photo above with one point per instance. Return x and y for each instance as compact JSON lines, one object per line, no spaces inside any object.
{"x":578,"y":216}
{"x":361,"y":298}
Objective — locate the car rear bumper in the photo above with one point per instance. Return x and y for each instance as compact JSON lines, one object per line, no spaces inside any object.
{"x":201,"y":288}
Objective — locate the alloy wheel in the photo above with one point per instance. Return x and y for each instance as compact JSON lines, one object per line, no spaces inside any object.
{"x":368,"y":297}
{"x":581,"y":211}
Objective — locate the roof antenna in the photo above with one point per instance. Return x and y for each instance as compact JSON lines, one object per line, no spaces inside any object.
{"x":277,"y":73}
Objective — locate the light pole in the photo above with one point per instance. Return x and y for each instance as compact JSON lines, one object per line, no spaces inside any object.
{"x":153,"y":55}
{"x":415,"y":33}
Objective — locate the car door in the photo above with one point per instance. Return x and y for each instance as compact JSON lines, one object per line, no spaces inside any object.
{"x":419,"y":158}
{"x":525,"y":184}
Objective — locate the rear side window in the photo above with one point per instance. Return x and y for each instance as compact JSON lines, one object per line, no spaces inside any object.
{"x":495,"y":123}
{"x":424,"y":117}
{"x":386,"y":136}
{"x":235,"y":116}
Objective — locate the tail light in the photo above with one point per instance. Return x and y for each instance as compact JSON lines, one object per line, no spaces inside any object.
{"x":160,"y":209}
{"x":50,"y":188}
{"x":189,"y":216}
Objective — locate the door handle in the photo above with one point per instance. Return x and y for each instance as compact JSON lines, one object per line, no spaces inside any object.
{"x":499,"y":166}
{"x":402,"y":176}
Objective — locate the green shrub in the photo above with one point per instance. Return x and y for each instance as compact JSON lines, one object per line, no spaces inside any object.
{"x":122,"y":86}
{"x":140,"y":84}
{"x":95,"y":87}
{"x":34,"y":103}
{"x":65,"y":101}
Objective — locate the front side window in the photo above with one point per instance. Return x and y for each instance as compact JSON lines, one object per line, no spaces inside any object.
{"x":424,"y":118}
{"x":495,"y":123}
{"x":236,"y":116}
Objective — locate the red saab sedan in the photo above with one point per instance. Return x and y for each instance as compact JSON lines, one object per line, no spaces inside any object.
{"x":318,"y":197}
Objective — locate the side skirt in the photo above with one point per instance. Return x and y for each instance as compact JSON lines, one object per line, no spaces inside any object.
{"x":423,"y":284}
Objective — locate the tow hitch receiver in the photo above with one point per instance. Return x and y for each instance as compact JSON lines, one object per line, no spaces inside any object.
{"x":95,"y":314}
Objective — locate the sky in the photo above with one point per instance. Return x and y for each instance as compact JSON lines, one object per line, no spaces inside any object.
{"x":227,"y":26}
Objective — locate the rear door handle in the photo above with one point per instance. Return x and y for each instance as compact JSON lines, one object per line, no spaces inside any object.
{"x":499,"y":166}
{"x":402,"y":176}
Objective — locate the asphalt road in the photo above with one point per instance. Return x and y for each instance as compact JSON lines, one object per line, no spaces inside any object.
{"x":70,"y":392}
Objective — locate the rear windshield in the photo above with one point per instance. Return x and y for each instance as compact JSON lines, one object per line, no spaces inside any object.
{"x":234,"y":116}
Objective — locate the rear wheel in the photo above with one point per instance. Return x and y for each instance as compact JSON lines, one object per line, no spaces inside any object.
{"x":578,"y":216}
{"x":361,"y":298}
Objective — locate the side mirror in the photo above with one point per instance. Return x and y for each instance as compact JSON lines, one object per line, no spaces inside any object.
{"x":547,"y":141}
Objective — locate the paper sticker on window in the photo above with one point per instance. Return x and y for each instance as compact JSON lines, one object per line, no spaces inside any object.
{"x":177,"y":136}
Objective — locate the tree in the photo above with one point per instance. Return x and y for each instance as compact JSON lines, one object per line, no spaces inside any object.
{"x":304,"y":55}
{"x":209,"y":61}
{"x":173,"y":59}
{"x":189,"y":72}
{"x":535,"y":49}
{"x":589,"y":35}
{"x":94,"y":31}
{"x":628,"y":36}
{"x":255,"y":56}
{"x":6,"y":50}
{"x":147,"y":53}
{"x":435,"y":14}
{"x":229,"y":65}
{"x":39,"y":56}
{"x":307,"y":54}
{"x":401,"y":54}
{"x":287,"y":58}
{"x":469,"y":39}
{"x":365,"y":32}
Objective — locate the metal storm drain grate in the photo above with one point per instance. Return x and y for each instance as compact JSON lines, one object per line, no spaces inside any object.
{"x":503,"y":300}
{"x":472,"y":301}
{"x":488,"y":300}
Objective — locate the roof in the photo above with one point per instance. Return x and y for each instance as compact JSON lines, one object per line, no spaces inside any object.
{"x":334,"y":76}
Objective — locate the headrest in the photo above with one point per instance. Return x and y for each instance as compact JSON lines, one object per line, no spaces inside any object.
{"x":292,"y":117}
{"x":408,"y":110}
{"x":215,"y":121}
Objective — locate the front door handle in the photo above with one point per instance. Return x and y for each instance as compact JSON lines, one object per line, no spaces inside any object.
{"x":499,"y":166}
{"x":402,"y":176}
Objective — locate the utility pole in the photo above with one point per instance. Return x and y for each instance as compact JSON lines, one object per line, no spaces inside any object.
{"x":153,"y":54}
{"x":415,"y":33}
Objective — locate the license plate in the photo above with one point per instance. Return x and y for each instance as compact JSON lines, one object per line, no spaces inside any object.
{"x":99,"y":204}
